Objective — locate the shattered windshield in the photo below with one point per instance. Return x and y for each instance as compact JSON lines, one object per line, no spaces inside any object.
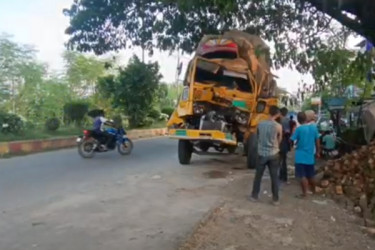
{"x":212,"y":73}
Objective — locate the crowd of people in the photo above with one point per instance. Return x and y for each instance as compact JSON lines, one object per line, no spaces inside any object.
{"x":277,"y":136}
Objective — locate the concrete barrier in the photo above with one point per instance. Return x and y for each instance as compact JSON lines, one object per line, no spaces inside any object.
{"x":34,"y":146}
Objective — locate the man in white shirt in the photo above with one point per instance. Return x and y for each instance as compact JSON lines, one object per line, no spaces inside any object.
{"x":98,"y":128}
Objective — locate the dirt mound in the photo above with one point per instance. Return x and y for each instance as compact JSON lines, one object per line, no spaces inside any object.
{"x":353,"y":175}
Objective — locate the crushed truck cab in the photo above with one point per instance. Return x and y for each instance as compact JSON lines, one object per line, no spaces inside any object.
{"x":228,"y":89}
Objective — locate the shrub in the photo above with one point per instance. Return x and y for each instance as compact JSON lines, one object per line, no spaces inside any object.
{"x":29,"y":125}
{"x":11,"y":123}
{"x":117,"y":120}
{"x":163,"y":117}
{"x":154,"y":114}
{"x":167,"y":110}
{"x":52,"y":124}
{"x":148,"y":121}
{"x":75,"y":111}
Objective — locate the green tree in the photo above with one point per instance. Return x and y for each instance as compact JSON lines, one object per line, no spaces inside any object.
{"x":134,"y":90}
{"x":296,"y":28}
{"x":82,"y":72}
{"x":29,"y":98}
{"x":45,"y":99}
{"x":17,"y":68}
{"x":334,"y":68}
{"x":75,"y":112}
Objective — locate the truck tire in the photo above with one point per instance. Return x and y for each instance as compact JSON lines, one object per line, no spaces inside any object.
{"x":185,"y":150}
{"x":252,"y":151}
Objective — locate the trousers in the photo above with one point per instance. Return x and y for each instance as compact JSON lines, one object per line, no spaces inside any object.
{"x":273,"y":164}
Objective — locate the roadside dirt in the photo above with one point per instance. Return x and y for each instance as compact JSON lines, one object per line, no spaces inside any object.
{"x":314,"y":223}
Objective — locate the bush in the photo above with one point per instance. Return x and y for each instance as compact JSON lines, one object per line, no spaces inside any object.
{"x":75,"y":111}
{"x":117,"y":120}
{"x":163,"y":117}
{"x":167,"y":110}
{"x":52,"y":124}
{"x":11,"y":123}
{"x":154,"y":114}
{"x":29,"y":125}
{"x":148,"y":121}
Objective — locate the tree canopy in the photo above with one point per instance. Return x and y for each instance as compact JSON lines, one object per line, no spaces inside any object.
{"x":296,"y":28}
{"x":134,"y":90}
{"x":29,"y":90}
{"x":18,"y":69}
{"x":82,"y":72}
{"x":357,"y":15}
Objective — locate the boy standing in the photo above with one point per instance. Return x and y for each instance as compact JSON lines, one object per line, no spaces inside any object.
{"x":306,"y":137}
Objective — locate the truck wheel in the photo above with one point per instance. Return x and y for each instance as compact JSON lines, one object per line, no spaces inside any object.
{"x":185,"y":150}
{"x":252,"y":151}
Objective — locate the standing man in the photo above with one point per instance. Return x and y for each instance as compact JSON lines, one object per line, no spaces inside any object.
{"x":285,"y":144}
{"x":269,"y":138}
{"x":306,"y":137}
{"x":310,"y":116}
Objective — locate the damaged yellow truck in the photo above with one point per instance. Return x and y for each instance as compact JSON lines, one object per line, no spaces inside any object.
{"x":228,"y":89}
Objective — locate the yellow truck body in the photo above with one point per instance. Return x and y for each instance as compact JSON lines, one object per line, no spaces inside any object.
{"x":228,"y":89}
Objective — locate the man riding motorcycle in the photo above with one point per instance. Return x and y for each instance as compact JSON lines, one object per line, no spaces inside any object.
{"x":98,"y":129}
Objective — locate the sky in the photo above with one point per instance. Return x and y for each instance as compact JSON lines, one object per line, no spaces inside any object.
{"x":41,"y":23}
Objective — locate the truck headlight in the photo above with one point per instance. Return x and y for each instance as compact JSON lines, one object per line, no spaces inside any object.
{"x":242,"y":118}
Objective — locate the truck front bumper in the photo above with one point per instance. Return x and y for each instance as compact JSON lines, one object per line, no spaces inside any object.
{"x":202,"y":135}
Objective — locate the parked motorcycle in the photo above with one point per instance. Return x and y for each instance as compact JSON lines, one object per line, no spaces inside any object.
{"x":89,"y":144}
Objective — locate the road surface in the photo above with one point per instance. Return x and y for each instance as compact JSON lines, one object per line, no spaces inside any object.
{"x":57,"y":200}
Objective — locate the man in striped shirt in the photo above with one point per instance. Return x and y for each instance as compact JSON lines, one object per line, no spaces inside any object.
{"x":269,"y":138}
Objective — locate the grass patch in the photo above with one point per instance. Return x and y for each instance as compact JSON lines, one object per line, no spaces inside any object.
{"x":35,"y":134}
{"x":157,"y":124}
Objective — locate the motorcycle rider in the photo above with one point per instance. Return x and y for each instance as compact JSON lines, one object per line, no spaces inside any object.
{"x":99,"y":131}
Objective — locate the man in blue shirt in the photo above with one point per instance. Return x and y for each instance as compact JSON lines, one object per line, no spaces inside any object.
{"x":306,"y":137}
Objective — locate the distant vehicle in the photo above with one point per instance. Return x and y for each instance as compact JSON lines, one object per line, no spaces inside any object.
{"x":89,"y":144}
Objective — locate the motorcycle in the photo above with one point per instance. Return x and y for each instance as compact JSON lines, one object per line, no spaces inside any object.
{"x":89,"y":143}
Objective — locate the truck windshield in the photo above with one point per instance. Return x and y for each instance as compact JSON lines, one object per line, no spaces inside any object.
{"x":208,"y":73}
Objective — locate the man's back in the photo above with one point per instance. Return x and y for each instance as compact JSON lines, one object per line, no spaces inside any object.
{"x":306,"y":136}
{"x":268,"y":143}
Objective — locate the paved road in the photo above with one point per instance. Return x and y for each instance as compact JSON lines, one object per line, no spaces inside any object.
{"x":57,"y":200}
